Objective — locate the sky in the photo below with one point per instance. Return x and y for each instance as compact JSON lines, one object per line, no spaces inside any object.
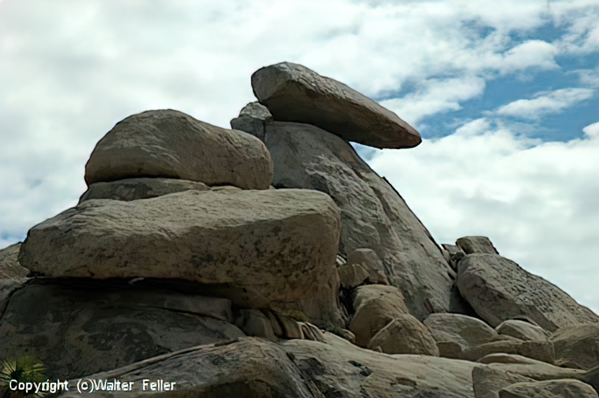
{"x":504,"y":93}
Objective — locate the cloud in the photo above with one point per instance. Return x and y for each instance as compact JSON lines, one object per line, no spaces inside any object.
{"x":532,"y":53}
{"x":544,"y":103}
{"x":435,"y":96}
{"x":536,"y":201}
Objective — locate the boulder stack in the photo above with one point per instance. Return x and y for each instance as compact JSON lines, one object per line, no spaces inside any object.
{"x":270,"y":260}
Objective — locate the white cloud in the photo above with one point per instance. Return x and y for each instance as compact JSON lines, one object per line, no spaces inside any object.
{"x":532,"y":53}
{"x":435,"y":96}
{"x":544,"y":103}
{"x":537,"y":202}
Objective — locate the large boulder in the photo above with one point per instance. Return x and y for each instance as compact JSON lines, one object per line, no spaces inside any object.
{"x":263,"y":249}
{"x":294,"y":93}
{"x":499,"y":289}
{"x":77,"y":327}
{"x":577,"y":347}
{"x":254,"y":367}
{"x":404,"y":335}
{"x":522,"y":330}
{"x":172,"y":144}
{"x":565,"y":388}
{"x":476,"y":244}
{"x":139,"y":188}
{"x":375,"y":306}
{"x":460,"y":330}
{"x":12,"y":274}
{"x":373,"y":215}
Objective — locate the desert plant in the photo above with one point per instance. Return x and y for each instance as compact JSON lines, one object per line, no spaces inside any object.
{"x":23,"y":369}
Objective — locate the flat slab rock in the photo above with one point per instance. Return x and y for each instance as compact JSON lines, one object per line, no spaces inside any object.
{"x":76,"y":327}
{"x":294,"y":93}
{"x":172,"y":144}
{"x":499,"y":289}
{"x":263,"y":249}
{"x":139,"y":188}
{"x":373,"y":215}
{"x":298,"y":368}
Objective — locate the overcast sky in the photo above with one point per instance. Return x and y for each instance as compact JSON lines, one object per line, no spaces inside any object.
{"x":505,"y":95}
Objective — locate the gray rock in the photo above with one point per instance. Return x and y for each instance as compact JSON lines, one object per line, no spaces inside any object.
{"x":464,"y":331}
{"x":489,"y":380}
{"x":476,"y":244}
{"x":294,"y":93}
{"x":76,"y":327}
{"x":376,"y":306}
{"x":540,"y":350}
{"x":565,"y":388}
{"x":577,"y":347}
{"x":262,"y":249}
{"x":12,"y":274}
{"x":252,"y":119}
{"x":255,"y":323}
{"x":311,"y":332}
{"x":405,"y":335}
{"x":299,"y":368}
{"x":352,"y":276}
{"x":522,"y":330}
{"x":373,"y":214}
{"x":171,"y":144}
{"x":508,"y":358}
{"x":455,"y":254}
{"x":498,"y":290}
{"x":139,"y":188}
{"x":370,"y":262}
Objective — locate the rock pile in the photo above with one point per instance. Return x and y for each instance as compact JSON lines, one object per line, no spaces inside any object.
{"x":270,"y":260}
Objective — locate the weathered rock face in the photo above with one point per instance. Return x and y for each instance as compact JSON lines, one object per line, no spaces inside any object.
{"x":368,"y":260}
{"x":12,"y":274}
{"x":498,"y":290}
{"x":294,"y":93}
{"x":139,"y":188}
{"x":79,"y":327}
{"x":373,"y":215}
{"x":168,"y":143}
{"x":252,"y":119}
{"x":522,"y":330}
{"x":375,"y":306}
{"x":404,"y":335}
{"x":476,"y":244}
{"x":577,"y":346}
{"x":299,"y":368}
{"x":565,"y":388}
{"x":263,"y":249}
{"x":465,"y":331}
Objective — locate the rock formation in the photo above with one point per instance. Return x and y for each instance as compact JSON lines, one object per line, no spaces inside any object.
{"x":270,"y":260}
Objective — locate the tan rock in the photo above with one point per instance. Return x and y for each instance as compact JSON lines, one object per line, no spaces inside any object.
{"x":376,"y":306}
{"x":461,"y":330}
{"x":499,"y":289}
{"x":564,"y":388}
{"x":171,"y":144}
{"x":405,"y":335}
{"x":352,"y":275}
{"x":522,"y":330}
{"x":294,"y":93}
{"x":541,"y":351}
{"x":476,"y":244}
{"x":262,"y":249}
{"x":371,"y":263}
{"x":577,"y":346}
{"x":139,"y":188}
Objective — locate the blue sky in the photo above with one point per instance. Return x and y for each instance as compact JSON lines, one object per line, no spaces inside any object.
{"x":505,"y":94}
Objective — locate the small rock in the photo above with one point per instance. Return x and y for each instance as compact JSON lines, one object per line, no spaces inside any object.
{"x":476,"y":244}
{"x":405,"y":335}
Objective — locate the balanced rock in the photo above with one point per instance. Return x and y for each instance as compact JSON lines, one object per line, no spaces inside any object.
{"x":171,"y":144}
{"x":139,"y":188}
{"x":252,"y":119}
{"x":499,"y":289}
{"x":77,"y":327}
{"x":565,"y":388}
{"x":405,"y":335}
{"x":577,"y":346}
{"x":294,"y":93}
{"x":375,"y":306}
{"x":373,"y":214}
{"x":263,"y":249}
{"x":476,"y":244}
{"x":368,"y":260}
